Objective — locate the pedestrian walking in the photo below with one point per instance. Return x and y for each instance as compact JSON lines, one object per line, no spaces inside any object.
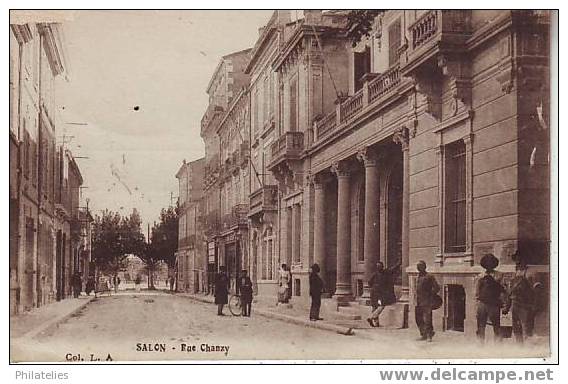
{"x":77,"y":284}
{"x":137,"y":281}
{"x":382,"y":293}
{"x":521,"y":302}
{"x":116,"y":283}
{"x":316,"y":289}
{"x":90,"y":286}
{"x":285,"y":280}
{"x":246,"y":293}
{"x":172,"y":281}
{"x":488,"y":294}
{"x":427,"y":289}
{"x":221,"y":290}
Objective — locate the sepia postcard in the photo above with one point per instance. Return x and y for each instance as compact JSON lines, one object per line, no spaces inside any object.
{"x":299,"y":185}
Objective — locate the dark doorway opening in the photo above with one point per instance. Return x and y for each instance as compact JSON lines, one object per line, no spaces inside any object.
{"x":454,"y":307}
{"x":394,"y":218}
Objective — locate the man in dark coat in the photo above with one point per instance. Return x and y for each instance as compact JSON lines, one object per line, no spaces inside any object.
{"x":316,"y":288}
{"x":77,"y":284}
{"x":221,"y":290}
{"x":521,"y":300}
{"x":488,"y":295}
{"x":426,"y":289}
{"x":246,"y":293}
{"x":382,"y":291}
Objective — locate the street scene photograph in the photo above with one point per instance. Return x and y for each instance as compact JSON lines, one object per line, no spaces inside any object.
{"x":297,"y":185}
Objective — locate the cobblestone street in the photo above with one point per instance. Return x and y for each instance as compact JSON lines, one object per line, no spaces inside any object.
{"x":159,"y":326}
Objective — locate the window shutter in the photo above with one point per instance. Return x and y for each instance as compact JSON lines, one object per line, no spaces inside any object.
{"x":394,"y":42}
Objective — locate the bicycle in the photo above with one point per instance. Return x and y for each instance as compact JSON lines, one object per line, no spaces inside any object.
{"x":235,"y":305}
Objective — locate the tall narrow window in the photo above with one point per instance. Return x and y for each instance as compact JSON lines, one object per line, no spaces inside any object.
{"x":394,"y":42}
{"x":455,"y":198}
{"x":293,"y":118}
{"x":266,"y":101}
{"x":27,"y":152}
{"x":362,"y":65}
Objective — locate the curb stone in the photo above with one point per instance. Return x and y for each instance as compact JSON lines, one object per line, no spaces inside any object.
{"x":34,"y":332}
{"x":287,"y":318}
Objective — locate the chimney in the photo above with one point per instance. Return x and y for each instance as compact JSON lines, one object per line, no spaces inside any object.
{"x":313,"y":16}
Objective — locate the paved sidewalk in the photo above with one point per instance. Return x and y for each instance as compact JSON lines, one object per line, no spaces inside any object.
{"x":30,"y":324}
{"x":285,"y":313}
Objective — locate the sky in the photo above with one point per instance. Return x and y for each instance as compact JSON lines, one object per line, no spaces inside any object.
{"x":160,"y":61}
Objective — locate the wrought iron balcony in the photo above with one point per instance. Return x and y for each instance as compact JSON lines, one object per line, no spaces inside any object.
{"x":263,"y":199}
{"x":288,"y":147}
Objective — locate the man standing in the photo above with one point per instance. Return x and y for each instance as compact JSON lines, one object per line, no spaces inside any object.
{"x":488,"y":295}
{"x":77,"y":284}
{"x":426,"y":289}
{"x":246,"y":293}
{"x":520,"y":301}
{"x":221,"y":290}
{"x":382,"y":291}
{"x":316,"y":288}
{"x":116,"y":283}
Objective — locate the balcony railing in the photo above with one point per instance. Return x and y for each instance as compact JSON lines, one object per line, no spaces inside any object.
{"x":424,"y":28}
{"x":373,"y":92}
{"x":383,"y":84}
{"x":237,"y":217}
{"x":326,"y":124}
{"x":263,"y":199}
{"x":289,"y":146}
{"x":447,"y":28}
{"x":352,"y":105}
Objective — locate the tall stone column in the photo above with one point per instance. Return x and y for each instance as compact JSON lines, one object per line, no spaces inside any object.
{"x":371,"y":243}
{"x":343,"y":286}
{"x":401,"y":136}
{"x":296,"y":232}
{"x":319,"y":228}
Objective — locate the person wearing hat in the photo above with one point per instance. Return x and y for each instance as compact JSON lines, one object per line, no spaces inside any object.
{"x":382,"y":291}
{"x":426,"y":289}
{"x":221,"y":290}
{"x":520,"y":301}
{"x":488,"y":293}
{"x":316,"y":288}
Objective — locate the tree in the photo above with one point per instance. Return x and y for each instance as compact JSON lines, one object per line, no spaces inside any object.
{"x":360,"y":23}
{"x":162,"y":244}
{"x":114,"y":238}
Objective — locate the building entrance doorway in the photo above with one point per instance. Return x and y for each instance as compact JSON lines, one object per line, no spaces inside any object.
{"x":394,"y":218}
{"x":454,"y":309}
{"x":58,"y":265}
{"x":232,"y":262}
{"x":30,"y":265}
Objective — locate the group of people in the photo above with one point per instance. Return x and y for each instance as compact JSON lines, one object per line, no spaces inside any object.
{"x":245,"y":290}
{"x":493,"y":299}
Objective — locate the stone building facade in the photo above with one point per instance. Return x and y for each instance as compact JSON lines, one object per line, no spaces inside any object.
{"x":438,"y":154}
{"x":221,"y":173}
{"x":191,"y":254}
{"x":263,"y":197}
{"x":42,"y":219}
{"x":427,"y":140}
